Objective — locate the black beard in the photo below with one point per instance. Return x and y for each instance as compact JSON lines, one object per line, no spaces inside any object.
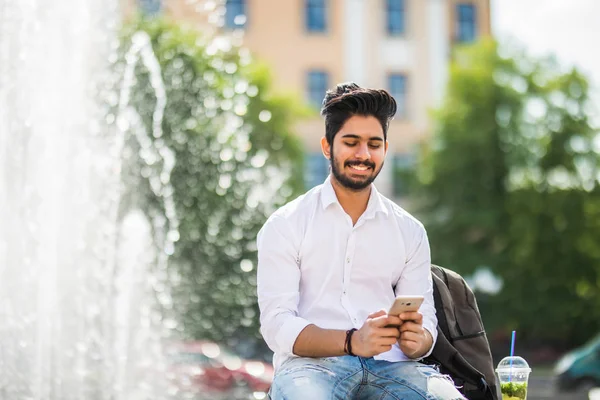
{"x":349,"y":183}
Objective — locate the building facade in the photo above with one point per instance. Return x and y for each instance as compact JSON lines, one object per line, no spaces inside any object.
{"x":311,"y":45}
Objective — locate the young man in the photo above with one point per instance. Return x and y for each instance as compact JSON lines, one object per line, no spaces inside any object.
{"x":330,"y":264}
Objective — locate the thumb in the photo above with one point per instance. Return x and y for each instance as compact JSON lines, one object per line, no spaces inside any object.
{"x":377,"y":314}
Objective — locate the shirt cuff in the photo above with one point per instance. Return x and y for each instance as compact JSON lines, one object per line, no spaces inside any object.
{"x":288,"y":333}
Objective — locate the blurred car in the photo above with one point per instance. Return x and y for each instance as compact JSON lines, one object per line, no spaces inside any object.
{"x":579,"y":369}
{"x":208,"y":370}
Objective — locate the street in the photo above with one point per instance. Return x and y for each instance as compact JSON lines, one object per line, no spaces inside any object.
{"x":542,"y":388}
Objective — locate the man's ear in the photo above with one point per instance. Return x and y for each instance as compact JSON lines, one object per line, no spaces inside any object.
{"x":326,"y":148}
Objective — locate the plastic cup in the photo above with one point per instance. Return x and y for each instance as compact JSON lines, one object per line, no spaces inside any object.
{"x":513,"y":378}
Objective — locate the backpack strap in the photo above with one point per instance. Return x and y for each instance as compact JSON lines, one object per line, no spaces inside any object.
{"x":444,"y":351}
{"x":439,"y":275}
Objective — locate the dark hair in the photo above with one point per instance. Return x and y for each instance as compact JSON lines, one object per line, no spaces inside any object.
{"x":349,"y":99}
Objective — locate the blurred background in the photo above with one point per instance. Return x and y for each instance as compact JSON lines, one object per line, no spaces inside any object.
{"x":143,"y":143}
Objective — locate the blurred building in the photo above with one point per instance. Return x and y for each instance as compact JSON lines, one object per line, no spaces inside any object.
{"x":311,"y":45}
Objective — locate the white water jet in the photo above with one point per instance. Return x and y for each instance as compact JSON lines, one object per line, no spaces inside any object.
{"x":77,"y":319}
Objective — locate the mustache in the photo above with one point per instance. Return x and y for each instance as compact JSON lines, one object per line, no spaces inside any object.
{"x":368,"y":164}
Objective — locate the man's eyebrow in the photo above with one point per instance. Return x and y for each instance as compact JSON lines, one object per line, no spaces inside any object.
{"x":354,"y":136}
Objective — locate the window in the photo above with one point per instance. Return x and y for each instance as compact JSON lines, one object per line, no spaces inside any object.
{"x":316,"y":15}
{"x":404,"y":164}
{"x":317,"y":86}
{"x":235,"y":14}
{"x":395,"y":17}
{"x":149,"y":7}
{"x":398,"y":90}
{"x":316,"y":169}
{"x":466,"y":22}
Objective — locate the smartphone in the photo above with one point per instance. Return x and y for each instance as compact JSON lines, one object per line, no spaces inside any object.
{"x":405,"y":303}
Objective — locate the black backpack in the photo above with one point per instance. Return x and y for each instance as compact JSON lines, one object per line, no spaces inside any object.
{"x":462,"y":350}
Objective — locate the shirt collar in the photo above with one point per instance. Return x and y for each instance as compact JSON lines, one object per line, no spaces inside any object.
{"x":374,"y":206}
{"x":328,"y":196}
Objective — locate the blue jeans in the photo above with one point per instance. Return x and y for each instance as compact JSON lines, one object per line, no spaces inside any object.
{"x":348,"y":377}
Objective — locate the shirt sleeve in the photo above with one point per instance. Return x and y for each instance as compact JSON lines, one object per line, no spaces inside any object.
{"x":278,"y":286}
{"x":416,"y":280}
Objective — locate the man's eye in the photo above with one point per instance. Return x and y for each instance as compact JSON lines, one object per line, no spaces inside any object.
{"x":374,"y":146}
{"x":350,"y":144}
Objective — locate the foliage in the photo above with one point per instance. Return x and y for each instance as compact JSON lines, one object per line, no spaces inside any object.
{"x":514,"y":390}
{"x":510,"y":182}
{"x":236,"y":160}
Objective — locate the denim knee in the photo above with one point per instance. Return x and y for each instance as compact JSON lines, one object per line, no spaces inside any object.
{"x":321,"y":378}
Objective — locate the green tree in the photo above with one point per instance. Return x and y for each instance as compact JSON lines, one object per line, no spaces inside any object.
{"x":236,"y":160}
{"x":509,"y":181}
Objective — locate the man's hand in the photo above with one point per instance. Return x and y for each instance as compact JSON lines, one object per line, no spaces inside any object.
{"x":414,"y":340}
{"x":373,"y":337}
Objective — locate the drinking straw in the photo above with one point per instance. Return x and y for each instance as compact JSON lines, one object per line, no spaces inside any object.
{"x":512,"y":352}
{"x":512,"y":346}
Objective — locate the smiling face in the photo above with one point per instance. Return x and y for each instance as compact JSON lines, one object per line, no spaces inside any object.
{"x":357,"y":152}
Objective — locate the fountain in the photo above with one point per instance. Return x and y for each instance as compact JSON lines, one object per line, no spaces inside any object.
{"x":86,"y":304}
{"x":79,"y":282}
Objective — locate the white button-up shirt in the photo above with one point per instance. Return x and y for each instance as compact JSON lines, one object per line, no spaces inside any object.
{"x":315,"y":267}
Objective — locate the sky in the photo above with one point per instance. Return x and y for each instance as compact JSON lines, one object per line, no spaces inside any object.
{"x":569,"y":29}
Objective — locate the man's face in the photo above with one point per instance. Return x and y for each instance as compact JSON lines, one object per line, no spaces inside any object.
{"x":357,"y":153}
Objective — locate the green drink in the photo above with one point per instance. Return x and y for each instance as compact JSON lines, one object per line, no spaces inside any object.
{"x":514,"y":391}
{"x":513,"y":373}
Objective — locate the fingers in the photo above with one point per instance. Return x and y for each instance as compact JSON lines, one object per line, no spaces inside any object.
{"x":377,"y":314}
{"x":369,"y":341}
{"x":411,"y":336}
{"x":410,"y":326}
{"x":386,"y":341}
{"x":381,"y":331}
{"x":385,"y":320}
{"x":393,"y":332}
{"x":409,"y":347}
{"x":410,"y":341}
{"x":377,"y":340}
{"x":376,"y":333}
{"x":384,"y":348}
{"x":414,"y":316}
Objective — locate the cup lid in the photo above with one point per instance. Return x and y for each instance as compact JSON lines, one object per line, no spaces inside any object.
{"x":515,"y":363}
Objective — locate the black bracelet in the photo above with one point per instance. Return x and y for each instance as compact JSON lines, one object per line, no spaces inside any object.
{"x":348,"y":343}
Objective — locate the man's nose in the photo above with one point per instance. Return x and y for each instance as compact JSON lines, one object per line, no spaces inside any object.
{"x":363,"y":152}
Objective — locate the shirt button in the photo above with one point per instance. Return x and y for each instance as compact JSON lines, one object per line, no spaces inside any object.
{"x":348,"y":259}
